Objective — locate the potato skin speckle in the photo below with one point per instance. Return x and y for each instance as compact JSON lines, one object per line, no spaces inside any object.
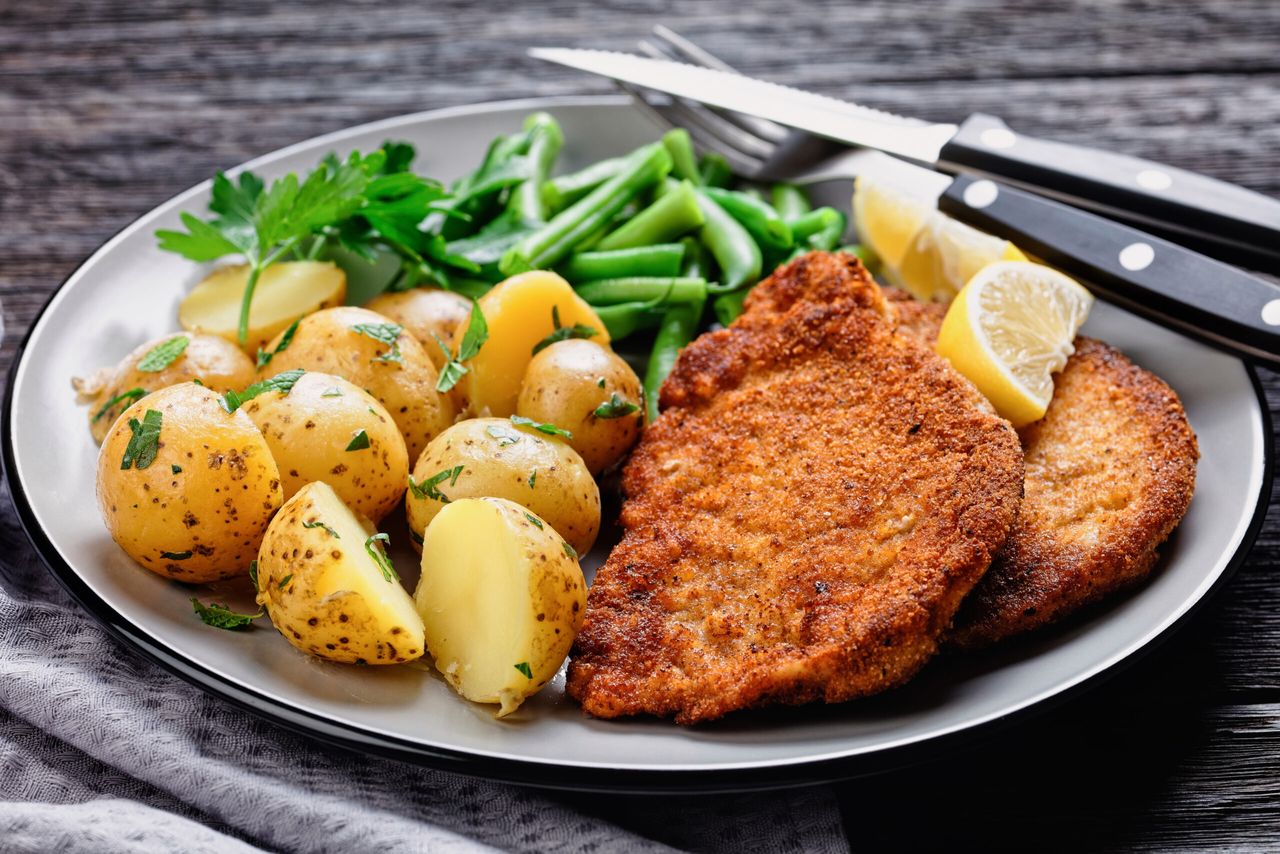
{"x":221,"y":533}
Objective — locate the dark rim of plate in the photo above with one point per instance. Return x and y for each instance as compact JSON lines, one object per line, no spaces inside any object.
{"x":559,"y":776}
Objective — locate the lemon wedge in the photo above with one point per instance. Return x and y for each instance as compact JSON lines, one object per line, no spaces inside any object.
{"x":925,"y":252}
{"x":1009,"y":330}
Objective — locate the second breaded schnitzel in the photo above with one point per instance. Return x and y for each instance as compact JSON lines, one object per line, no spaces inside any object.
{"x":804,"y":519}
{"x":1110,"y":472}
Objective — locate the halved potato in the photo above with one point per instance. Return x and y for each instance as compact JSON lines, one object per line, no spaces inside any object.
{"x":519,"y":315}
{"x":285,"y":292}
{"x":501,"y":598}
{"x":323,"y":583}
{"x":425,"y":313}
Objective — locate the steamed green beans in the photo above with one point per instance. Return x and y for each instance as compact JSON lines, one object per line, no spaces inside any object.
{"x":821,"y":228}
{"x":684,"y":163}
{"x":679,"y":325}
{"x":668,"y":290}
{"x":662,"y":259}
{"x":736,"y":253}
{"x":562,"y":191}
{"x":674,"y":213}
{"x":545,"y":140}
{"x":756,"y":216}
{"x":790,"y":201}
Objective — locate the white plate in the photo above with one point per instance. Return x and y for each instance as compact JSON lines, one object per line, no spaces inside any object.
{"x":128,"y":292}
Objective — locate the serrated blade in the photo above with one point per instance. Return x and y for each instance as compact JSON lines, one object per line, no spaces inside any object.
{"x":817,"y":114}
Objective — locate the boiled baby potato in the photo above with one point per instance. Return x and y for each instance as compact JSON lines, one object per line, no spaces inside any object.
{"x":163,"y":362}
{"x":427,"y":314}
{"x":501,"y":598}
{"x":324,"y":428}
{"x":520,"y":313}
{"x":491,"y":457}
{"x":285,"y":291}
{"x":378,"y":355}
{"x":187,"y":488}
{"x":329,"y":587}
{"x":589,"y":391}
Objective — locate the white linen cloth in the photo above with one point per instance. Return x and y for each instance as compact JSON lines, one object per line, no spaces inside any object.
{"x":103,"y":751}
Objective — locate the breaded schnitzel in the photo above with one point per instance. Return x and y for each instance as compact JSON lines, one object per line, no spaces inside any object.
{"x":1110,"y":472}
{"x":804,"y":519}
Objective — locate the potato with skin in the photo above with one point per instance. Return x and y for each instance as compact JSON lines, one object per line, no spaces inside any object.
{"x":427,"y":313}
{"x":214,"y":361}
{"x":519,"y":314}
{"x":285,"y":292}
{"x":326,"y":429}
{"x":194,"y":501}
{"x":589,"y":391}
{"x":322,"y":579}
{"x":396,"y":371}
{"x":491,"y":457}
{"x":501,"y":598}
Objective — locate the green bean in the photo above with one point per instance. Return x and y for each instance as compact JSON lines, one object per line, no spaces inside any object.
{"x":757,"y":217}
{"x":679,"y":325}
{"x":695,"y":263}
{"x":674,"y":213}
{"x":790,"y":201}
{"x":821,"y":228}
{"x":662,"y":259}
{"x":560,"y":192}
{"x":627,"y":318}
{"x":554,"y":241}
{"x":545,"y":140}
{"x":684,"y":161}
{"x":736,"y":253}
{"x":715,"y":170}
{"x":669,"y":289}
{"x":729,"y":306}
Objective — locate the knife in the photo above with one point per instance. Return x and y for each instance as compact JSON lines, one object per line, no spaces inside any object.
{"x":1229,"y":220}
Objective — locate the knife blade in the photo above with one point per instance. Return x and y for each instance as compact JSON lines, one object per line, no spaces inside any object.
{"x":1231,"y":221}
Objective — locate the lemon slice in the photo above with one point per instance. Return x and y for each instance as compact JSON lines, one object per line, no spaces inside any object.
{"x":1009,"y":330}
{"x":887,"y":216}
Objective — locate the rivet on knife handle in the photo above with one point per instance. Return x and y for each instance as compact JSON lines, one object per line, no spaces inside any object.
{"x":1152,"y":277}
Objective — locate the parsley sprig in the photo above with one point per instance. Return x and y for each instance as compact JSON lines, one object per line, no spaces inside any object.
{"x":563,"y":333}
{"x":472,"y":340}
{"x":221,"y":617}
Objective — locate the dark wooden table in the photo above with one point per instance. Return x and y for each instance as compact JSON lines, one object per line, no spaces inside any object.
{"x":108,"y":108}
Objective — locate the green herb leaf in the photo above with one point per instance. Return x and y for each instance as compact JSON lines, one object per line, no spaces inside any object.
{"x":221,"y":617}
{"x":472,"y":340}
{"x":359,"y":441}
{"x":569,"y":550}
{"x":375,"y":550}
{"x":429,"y":488}
{"x":615,"y":407}
{"x":549,"y":429}
{"x":145,"y":442}
{"x":385,"y":333}
{"x":332,"y":391}
{"x":281,"y":382}
{"x":563,"y":333}
{"x":284,"y":581}
{"x":175,"y":555}
{"x":131,"y":395}
{"x":253,"y":574}
{"x":319,"y":524}
{"x":504,"y":437}
{"x":524,"y":668}
{"x":600,"y":383}
{"x":264,"y":358}
{"x":175,"y":468}
{"x":534,"y":519}
{"x":533,"y":478}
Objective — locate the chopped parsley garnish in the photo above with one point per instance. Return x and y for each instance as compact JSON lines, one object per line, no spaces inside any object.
{"x":359,"y":441}
{"x":533,"y":478}
{"x":162,"y":355}
{"x":562,"y":333}
{"x":472,"y":340}
{"x":375,"y":549}
{"x":429,"y":488}
{"x":253,"y":574}
{"x":600,"y":383}
{"x":281,"y":382}
{"x":504,"y":437}
{"x":534,"y":519}
{"x":175,"y":555}
{"x":175,"y":468}
{"x":549,"y":429}
{"x":319,"y":524}
{"x":285,"y":581}
{"x":384,"y":333}
{"x":145,"y":442}
{"x":569,"y":550}
{"x":615,"y":407}
{"x":332,"y":391}
{"x":221,"y":617}
{"x":524,"y":668}
{"x":131,"y":395}
{"x":264,"y":357}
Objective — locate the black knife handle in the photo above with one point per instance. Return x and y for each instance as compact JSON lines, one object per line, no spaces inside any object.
{"x":1228,"y":220}
{"x":1176,"y":287}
